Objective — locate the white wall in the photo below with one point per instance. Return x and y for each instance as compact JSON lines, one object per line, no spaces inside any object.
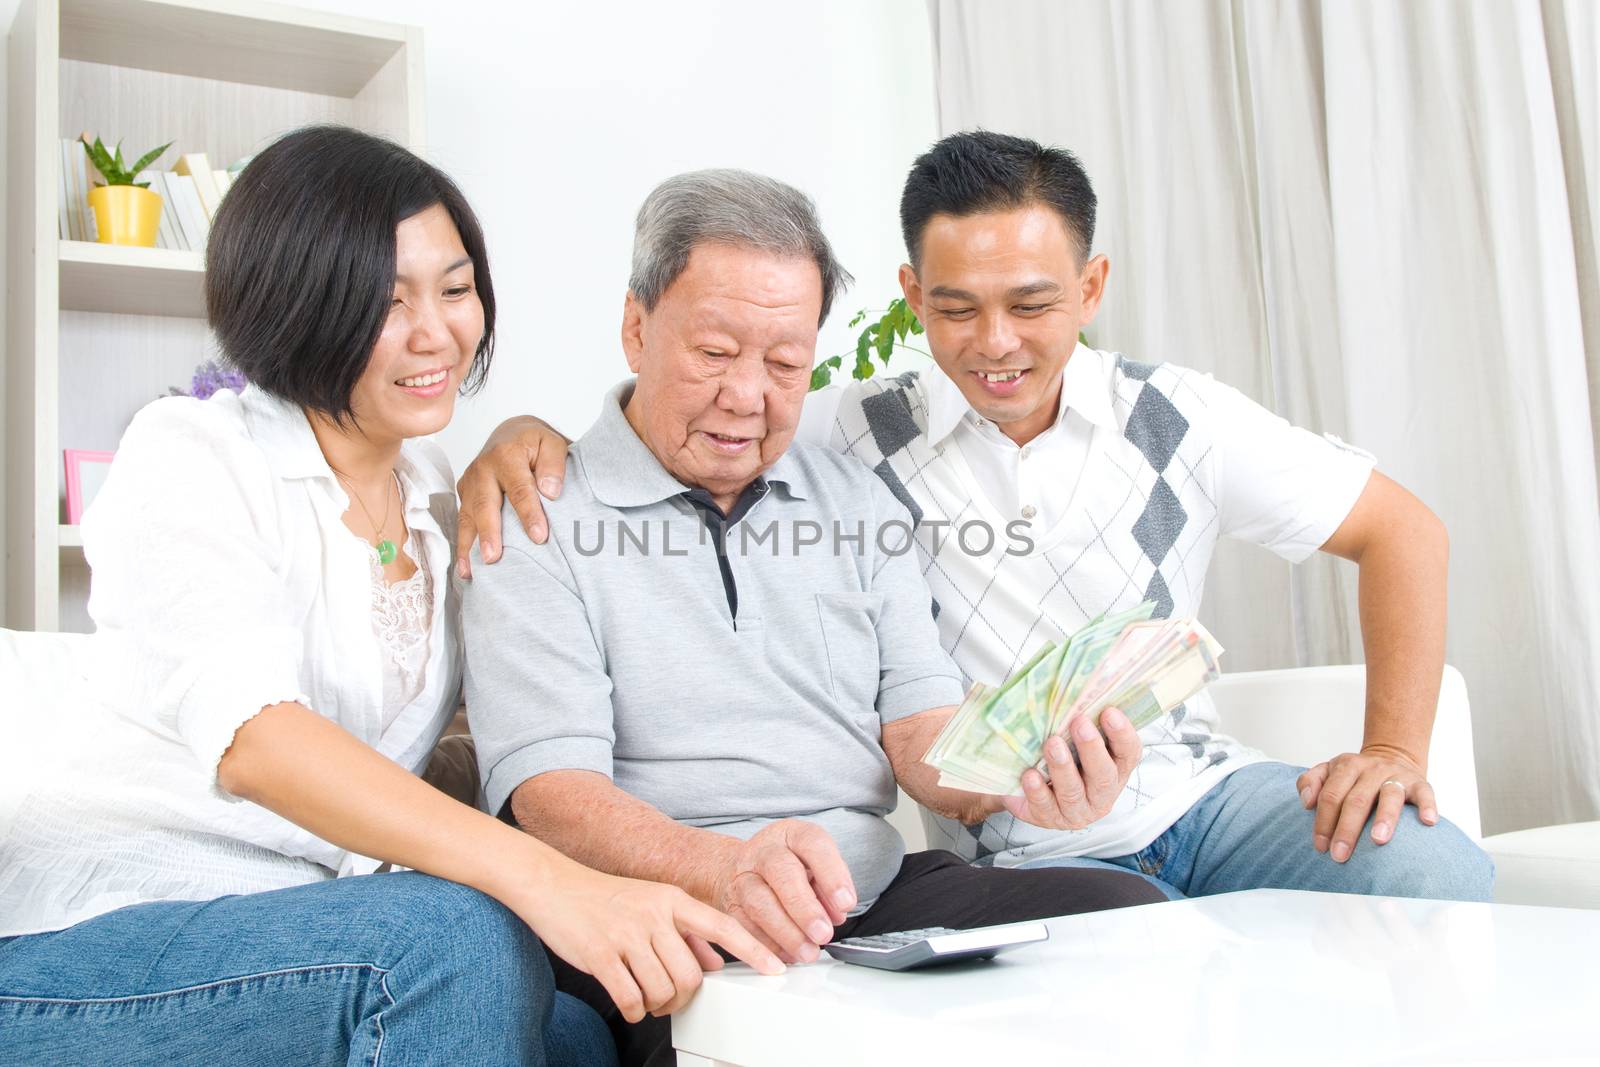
{"x":557,"y":120}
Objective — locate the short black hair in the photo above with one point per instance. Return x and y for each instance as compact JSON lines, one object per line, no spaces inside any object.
{"x":301,"y":260}
{"x":979,"y":171}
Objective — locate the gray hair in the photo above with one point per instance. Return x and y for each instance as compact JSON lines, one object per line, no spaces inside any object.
{"x":729,"y":207}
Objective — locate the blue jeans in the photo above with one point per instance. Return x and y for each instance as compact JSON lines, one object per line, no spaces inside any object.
{"x":1251,"y":832}
{"x":381,"y":969}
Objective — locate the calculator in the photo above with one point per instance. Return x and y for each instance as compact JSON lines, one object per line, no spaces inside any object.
{"x":910,"y":949}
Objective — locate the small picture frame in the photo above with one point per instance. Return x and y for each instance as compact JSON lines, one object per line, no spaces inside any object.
{"x":86,"y":473}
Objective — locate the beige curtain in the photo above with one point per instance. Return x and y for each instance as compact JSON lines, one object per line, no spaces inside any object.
{"x":1379,"y":219}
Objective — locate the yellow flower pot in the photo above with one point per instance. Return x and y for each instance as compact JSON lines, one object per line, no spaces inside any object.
{"x":126,"y":214}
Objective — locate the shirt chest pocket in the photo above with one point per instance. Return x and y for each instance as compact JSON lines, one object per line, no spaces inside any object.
{"x":849,"y":623}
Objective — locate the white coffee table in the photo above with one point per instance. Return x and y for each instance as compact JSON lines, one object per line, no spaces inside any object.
{"x":1268,"y":976}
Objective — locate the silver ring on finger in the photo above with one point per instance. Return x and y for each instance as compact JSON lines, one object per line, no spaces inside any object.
{"x":1394,"y":781}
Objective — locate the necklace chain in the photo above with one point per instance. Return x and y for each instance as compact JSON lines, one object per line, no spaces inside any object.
{"x":385,"y":547}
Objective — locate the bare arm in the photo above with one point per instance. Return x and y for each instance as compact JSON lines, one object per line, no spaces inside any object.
{"x":357,"y":799}
{"x":584,"y":815}
{"x":1077,"y":793}
{"x":787,"y":884}
{"x":904,"y":742}
{"x":307,"y":769}
{"x":1403,"y":553}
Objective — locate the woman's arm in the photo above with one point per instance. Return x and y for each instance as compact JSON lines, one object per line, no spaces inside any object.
{"x":645,"y":942}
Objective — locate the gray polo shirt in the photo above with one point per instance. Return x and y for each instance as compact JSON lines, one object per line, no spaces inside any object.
{"x":616,"y":647}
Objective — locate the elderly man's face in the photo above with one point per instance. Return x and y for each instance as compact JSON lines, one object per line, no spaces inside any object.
{"x":724,"y":363}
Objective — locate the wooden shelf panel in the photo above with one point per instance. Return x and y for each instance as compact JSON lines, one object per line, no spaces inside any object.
{"x":244,"y":41}
{"x":132,"y":281}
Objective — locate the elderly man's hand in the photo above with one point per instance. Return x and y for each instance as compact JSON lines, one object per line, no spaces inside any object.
{"x":1350,"y":788}
{"x":790,"y":887}
{"x":521,"y":453}
{"x":1074,"y":798}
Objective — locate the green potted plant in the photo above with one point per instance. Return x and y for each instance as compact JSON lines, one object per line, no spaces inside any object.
{"x":125,"y":210}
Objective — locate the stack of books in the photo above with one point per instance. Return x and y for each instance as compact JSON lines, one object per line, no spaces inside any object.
{"x":190,"y":196}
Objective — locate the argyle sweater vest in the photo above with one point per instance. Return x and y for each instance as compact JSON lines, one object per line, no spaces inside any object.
{"x":1141,"y":525}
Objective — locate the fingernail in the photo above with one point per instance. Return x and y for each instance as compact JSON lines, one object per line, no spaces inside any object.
{"x":1057,"y":749}
{"x":843,"y":898}
{"x":820,"y":932}
{"x":1114,"y":718}
{"x":808,"y":953}
{"x":1341,"y":852}
{"x":461,"y":569}
{"x":1430,"y":817}
{"x":538,"y":535}
{"x":1305,"y":797}
{"x":1381,"y":832}
{"x":1083,"y":729}
{"x":490,"y":552}
{"x":1319,"y":842}
{"x":550,"y":487}
{"x":774,"y":967}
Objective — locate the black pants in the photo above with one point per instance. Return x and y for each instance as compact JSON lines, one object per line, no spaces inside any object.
{"x":932,"y":889}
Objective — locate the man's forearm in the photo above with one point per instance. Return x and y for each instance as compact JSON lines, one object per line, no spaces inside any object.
{"x":1403,"y":582}
{"x":585,"y":816}
{"x":921,"y":783}
{"x":905,"y":742}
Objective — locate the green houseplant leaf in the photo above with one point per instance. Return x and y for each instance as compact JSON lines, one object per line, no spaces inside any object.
{"x":881,"y":336}
{"x":111,"y":165}
{"x":147,"y":159}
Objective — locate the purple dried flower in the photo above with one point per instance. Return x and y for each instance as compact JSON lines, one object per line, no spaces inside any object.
{"x":211,"y":376}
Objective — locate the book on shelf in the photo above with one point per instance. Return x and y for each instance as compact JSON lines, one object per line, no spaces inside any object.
{"x":191,"y":216}
{"x":196,"y":166}
{"x":76,"y":181}
{"x":224,"y":181}
{"x":63,"y":196}
{"x":86,"y":178}
{"x":167,"y":235}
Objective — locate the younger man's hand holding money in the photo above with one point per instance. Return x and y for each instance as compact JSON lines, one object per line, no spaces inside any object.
{"x":1079,"y":792}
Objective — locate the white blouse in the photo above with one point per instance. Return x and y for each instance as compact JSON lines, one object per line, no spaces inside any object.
{"x":224,"y":582}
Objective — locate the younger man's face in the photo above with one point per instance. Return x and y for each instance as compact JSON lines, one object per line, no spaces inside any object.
{"x":1002,"y":297}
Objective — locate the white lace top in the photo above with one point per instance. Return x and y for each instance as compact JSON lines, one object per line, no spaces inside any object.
{"x":402,"y":615}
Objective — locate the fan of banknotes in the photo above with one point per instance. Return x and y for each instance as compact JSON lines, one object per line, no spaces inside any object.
{"x":1145,"y":667}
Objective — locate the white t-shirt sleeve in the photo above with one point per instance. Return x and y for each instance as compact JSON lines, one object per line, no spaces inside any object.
{"x":817,"y":417}
{"x":1277,"y":485}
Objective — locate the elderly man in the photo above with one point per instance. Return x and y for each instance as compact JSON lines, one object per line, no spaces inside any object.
{"x":722,"y":660}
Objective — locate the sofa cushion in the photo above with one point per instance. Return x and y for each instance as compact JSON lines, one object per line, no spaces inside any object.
{"x":1551,"y":865}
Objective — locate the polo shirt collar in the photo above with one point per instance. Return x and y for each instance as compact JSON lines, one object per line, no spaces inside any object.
{"x":624,"y":473}
{"x":1085,"y":389}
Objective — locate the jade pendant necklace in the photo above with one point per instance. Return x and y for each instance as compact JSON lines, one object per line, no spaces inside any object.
{"x":386,"y":548}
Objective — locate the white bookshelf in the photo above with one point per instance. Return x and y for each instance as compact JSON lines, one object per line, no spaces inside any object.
{"x":131,"y":281}
{"x":94,"y":331}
